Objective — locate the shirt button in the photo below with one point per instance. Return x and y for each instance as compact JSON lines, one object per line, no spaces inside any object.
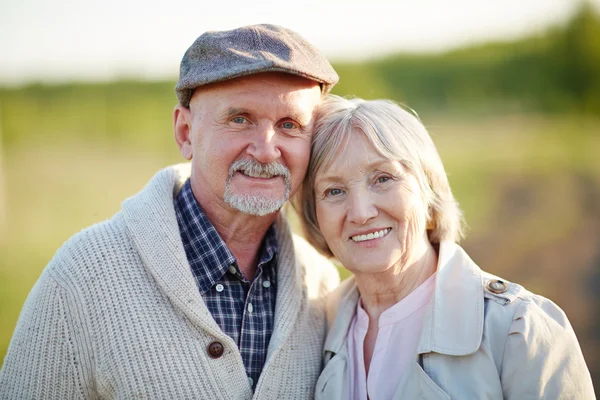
{"x":215,"y":349}
{"x":219,"y":288}
{"x":250,"y":308}
{"x":266,"y":284}
{"x":250,"y":381}
{"x":232,"y":269}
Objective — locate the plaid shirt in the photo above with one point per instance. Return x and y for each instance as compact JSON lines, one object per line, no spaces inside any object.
{"x":244,"y":310}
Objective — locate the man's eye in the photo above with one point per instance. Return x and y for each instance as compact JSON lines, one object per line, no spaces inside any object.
{"x":289,"y":125}
{"x":239,"y":120}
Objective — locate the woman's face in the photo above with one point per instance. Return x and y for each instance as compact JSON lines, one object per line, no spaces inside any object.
{"x":369,"y":209}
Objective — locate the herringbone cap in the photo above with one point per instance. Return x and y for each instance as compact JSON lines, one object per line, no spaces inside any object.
{"x":221,"y":55}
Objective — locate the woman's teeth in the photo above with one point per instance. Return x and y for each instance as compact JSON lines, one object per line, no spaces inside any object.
{"x":371,"y":236}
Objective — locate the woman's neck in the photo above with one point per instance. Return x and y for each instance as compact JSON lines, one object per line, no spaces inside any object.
{"x":380,"y":291}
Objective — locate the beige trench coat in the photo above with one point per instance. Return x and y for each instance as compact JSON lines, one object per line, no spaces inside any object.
{"x":474,"y":344}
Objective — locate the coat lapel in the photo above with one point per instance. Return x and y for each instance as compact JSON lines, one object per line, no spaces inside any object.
{"x":341,"y":308}
{"x":333,"y":382}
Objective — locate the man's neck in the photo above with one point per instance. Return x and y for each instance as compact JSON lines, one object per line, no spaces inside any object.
{"x":242,"y":233}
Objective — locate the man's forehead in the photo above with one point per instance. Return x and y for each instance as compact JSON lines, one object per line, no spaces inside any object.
{"x":277,"y":91}
{"x":266,"y":79}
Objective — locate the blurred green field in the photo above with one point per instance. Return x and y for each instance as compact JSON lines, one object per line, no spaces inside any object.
{"x":52,"y":190}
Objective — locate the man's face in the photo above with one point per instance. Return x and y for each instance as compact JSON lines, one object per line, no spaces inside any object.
{"x":249,"y":140}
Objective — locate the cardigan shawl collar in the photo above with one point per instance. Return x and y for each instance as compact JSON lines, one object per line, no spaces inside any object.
{"x":151,"y":221}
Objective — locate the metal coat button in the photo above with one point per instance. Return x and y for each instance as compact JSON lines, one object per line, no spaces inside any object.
{"x":215,"y":349}
{"x":497,"y":286}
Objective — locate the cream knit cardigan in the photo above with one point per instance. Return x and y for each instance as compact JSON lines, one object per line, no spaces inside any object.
{"x":117,"y":314}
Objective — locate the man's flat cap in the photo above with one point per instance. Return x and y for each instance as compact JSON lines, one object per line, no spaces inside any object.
{"x":217,"y":56}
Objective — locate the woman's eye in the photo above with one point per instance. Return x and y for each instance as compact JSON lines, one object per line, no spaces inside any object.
{"x":333,"y":192}
{"x":383,"y":179}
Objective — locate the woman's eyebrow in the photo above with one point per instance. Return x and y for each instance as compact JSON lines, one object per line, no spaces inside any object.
{"x":327,"y":179}
{"x":377,"y":164}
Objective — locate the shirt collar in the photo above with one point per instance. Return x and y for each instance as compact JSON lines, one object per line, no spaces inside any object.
{"x":208,"y":255}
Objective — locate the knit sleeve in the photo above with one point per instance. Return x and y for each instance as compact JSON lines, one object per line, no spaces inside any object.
{"x":45,"y":359}
{"x":542,"y":358}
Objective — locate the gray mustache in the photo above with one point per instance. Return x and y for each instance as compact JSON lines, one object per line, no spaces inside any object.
{"x":252,"y":167}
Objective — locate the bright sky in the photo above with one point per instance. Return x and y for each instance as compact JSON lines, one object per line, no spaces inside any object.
{"x":62,"y":40}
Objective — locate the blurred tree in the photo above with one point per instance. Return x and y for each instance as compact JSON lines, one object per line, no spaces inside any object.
{"x":580,"y":48}
{"x":557,"y":71}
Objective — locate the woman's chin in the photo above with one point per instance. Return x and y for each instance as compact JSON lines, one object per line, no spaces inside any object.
{"x":370,"y":268}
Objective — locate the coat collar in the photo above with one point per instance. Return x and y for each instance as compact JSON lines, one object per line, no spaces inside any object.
{"x":453,"y":321}
{"x":341,"y":307}
{"x":152,"y":224}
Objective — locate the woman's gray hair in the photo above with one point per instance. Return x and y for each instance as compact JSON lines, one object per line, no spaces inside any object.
{"x":397,"y":135}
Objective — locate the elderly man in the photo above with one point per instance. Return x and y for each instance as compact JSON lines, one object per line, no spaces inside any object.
{"x":197,"y":288}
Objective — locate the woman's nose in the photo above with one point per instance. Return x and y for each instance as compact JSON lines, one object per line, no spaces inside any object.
{"x":361,"y":208}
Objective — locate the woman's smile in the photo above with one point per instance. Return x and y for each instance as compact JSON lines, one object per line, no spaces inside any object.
{"x":378,"y":234}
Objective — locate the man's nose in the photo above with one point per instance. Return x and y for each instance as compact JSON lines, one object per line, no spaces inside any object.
{"x":264,"y":147}
{"x":361,"y":208}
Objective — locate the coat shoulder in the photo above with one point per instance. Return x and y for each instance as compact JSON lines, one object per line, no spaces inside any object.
{"x":513,"y":311}
{"x":515,"y":297}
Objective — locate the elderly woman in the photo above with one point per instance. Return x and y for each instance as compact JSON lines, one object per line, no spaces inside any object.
{"x":418,"y":319}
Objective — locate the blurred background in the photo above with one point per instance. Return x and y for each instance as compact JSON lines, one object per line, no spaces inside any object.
{"x":510,"y":92}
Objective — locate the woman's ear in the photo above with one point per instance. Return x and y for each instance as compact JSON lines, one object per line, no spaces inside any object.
{"x":182,"y":128}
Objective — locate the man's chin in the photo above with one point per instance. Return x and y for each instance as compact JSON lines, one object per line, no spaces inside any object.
{"x":255,"y":205}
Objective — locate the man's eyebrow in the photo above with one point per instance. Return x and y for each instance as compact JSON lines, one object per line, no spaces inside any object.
{"x":302,"y":119}
{"x":233,"y":111}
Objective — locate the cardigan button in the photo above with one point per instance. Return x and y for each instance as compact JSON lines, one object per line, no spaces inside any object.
{"x":215,"y":350}
{"x":497,"y":286}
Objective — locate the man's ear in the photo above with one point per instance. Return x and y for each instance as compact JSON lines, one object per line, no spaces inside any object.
{"x":182,"y":127}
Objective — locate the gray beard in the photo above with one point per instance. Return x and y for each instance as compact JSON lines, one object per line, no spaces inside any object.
{"x":253,"y":204}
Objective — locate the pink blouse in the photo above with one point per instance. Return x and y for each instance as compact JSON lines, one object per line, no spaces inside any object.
{"x":395,"y":346}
